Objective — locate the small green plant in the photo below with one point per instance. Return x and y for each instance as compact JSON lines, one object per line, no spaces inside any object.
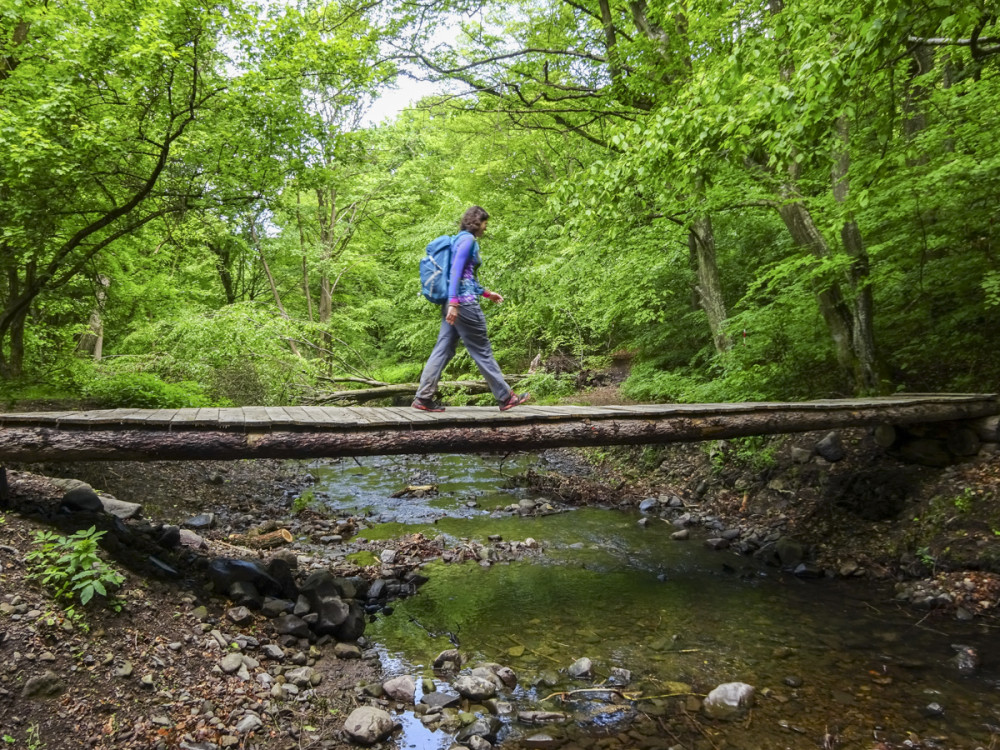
{"x":71,"y":568}
{"x":963,"y":503}
{"x":303,"y":502}
{"x":8,"y":739}
{"x":925,"y":556}
{"x":34,"y":740}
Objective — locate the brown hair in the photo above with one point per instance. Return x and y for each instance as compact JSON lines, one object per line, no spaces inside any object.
{"x":473,"y":220}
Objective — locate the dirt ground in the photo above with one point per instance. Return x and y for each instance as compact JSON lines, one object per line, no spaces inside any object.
{"x":148,"y":676}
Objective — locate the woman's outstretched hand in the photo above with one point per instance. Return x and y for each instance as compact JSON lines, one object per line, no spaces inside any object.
{"x":452,"y":315}
{"x":493,"y":296}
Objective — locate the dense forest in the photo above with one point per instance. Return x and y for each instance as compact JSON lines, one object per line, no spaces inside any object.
{"x":754,"y":200}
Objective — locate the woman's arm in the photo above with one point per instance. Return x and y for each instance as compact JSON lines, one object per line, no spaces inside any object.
{"x":459,"y":260}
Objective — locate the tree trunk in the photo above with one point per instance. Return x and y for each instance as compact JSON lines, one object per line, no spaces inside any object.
{"x":92,"y":342}
{"x":270,"y":280}
{"x":806,"y":235}
{"x":870,"y":375}
{"x":483,"y":430}
{"x":701,"y":243}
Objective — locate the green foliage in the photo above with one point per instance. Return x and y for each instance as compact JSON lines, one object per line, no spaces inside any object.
{"x":305,"y":501}
{"x":546,"y":386}
{"x":293,"y":258}
{"x":146,"y":390}
{"x":71,"y":568}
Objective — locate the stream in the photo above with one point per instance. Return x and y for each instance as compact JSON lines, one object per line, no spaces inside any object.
{"x":834,"y":663}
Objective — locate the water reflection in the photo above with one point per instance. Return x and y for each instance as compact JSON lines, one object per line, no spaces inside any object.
{"x":829,"y":659}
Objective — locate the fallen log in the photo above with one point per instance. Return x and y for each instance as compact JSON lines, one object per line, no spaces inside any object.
{"x":551,"y":428}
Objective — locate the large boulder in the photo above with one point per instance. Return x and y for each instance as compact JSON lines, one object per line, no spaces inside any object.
{"x":402,"y":689}
{"x":367,"y":725}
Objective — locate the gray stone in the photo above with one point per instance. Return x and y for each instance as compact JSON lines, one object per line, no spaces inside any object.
{"x":717,"y":543}
{"x":649,"y":505}
{"x":402,"y":689}
{"x":790,"y":552}
{"x":273,"y":651}
{"x":801,"y":455}
{"x":191,"y":540}
{"x":507,"y":676}
{"x":244,"y":593}
{"x":273,"y":607}
{"x":581,"y":669}
{"x":46,"y":685}
{"x":347,"y":651}
{"x":200,"y":522}
{"x":170,"y":537}
{"x":124,"y":670}
{"x":120,"y":508}
{"x":304,"y":677}
{"x":249,"y":723}
{"x":291,"y":625}
{"x":450,"y":659}
{"x":620,"y":676}
{"x":231,"y":662}
{"x":475,"y":688}
{"x":239,"y":615}
{"x":223,"y":572}
{"x":438,"y":699}
{"x":680,"y":536}
{"x":486,"y":727}
{"x":729,"y":701}
{"x":367,"y":725}
{"x":82,"y":499}
{"x":831,"y":447}
{"x":476,"y":742}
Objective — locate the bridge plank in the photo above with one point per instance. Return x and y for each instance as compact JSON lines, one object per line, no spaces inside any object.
{"x":255,"y":416}
{"x":161,"y":417}
{"x":278,"y":416}
{"x":343,"y":415}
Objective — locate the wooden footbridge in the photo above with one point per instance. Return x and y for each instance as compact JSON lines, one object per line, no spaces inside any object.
{"x":317,"y":431}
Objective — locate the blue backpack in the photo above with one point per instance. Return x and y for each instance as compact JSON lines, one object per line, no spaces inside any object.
{"x":435,"y":268}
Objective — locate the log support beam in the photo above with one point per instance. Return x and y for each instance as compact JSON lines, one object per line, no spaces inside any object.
{"x":34,"y":444}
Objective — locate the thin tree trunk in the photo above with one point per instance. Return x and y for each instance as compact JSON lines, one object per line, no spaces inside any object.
{"x":302,"y":248}
{"x":806,"y":234}
{"x":92,"y":342}
{"x":701,"y":243}
{"x":270,"y":280}
{"x":870,"y":373}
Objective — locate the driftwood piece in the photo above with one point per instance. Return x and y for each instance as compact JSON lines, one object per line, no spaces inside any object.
{"x":264,"y":541}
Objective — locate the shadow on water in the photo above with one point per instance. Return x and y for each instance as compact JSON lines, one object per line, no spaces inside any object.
{"x":829,"y":659}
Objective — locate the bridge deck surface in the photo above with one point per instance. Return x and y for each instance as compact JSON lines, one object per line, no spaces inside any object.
{"x":348,"y":419}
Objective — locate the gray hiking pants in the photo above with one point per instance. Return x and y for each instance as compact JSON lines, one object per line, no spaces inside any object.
{"x":470,"y":327}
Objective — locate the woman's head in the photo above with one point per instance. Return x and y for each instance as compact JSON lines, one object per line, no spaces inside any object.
{"x":474,"y":220}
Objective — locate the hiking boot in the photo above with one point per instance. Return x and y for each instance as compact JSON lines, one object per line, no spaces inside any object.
{"x":515,"y":399}
{"x":427,"y":404}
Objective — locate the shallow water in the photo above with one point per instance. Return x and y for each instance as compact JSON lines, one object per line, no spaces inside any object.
{"x":830,"y":659}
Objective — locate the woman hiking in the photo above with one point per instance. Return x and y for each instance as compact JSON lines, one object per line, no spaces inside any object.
{"x":462,"y":318}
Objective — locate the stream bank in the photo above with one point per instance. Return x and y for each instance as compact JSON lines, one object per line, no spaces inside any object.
{"x":754,"y":491}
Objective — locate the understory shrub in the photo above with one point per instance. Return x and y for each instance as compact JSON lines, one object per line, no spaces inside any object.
{"x":145,"y":390}
{"x":71,"y":568}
